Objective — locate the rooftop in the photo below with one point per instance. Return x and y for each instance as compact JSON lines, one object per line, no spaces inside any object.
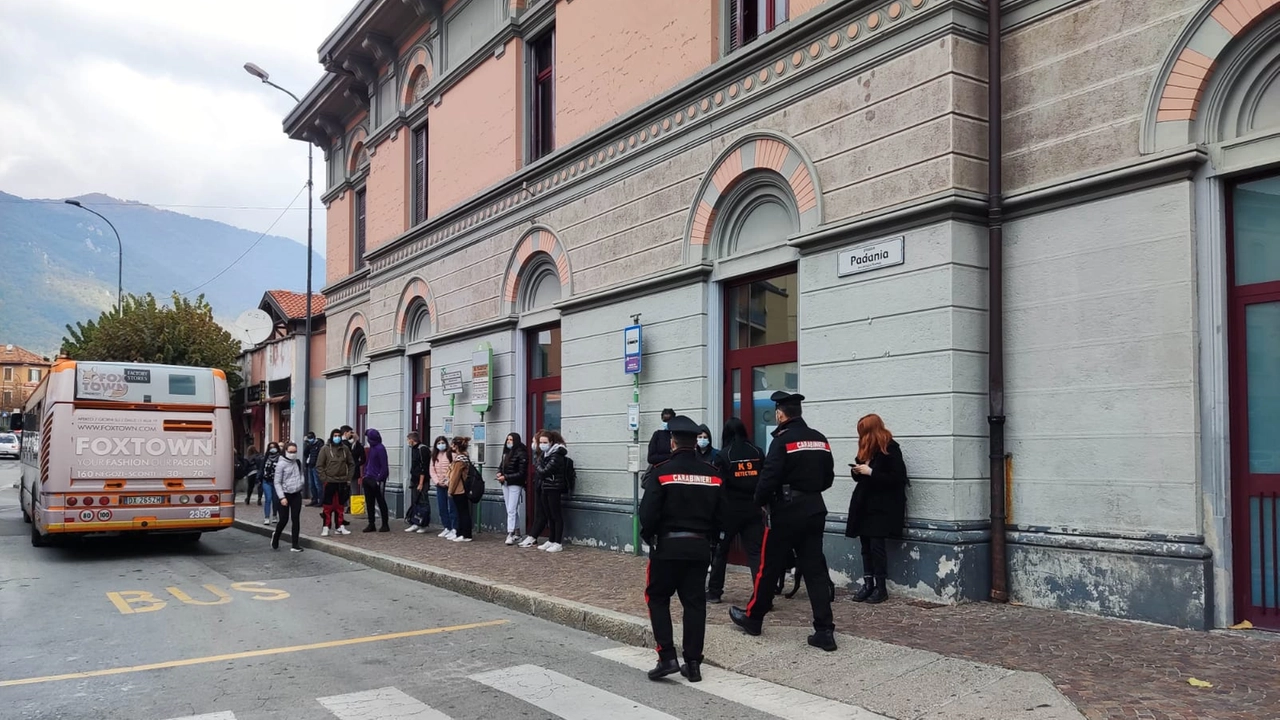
{"x":294,"y":304}
{"x":13,"y":355}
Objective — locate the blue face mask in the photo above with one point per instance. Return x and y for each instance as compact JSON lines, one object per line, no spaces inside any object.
{"x":337,"y":441}
{"x":544,"y":447}
{"x":703,"y":442}
{"x":664,"y":426}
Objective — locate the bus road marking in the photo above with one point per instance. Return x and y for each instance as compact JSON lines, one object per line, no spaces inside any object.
{"x":250,"y":654}
{"x":131,"y":602}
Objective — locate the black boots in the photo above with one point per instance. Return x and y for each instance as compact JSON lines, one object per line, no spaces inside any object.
{"x":824,"y":639}
{"x":371,"y":528}
{"x":713,"y":597}
{"x":879,"y":594}
{"x":864,"y":592}
{"x":692,"y":671}
{"x":664,"y":668}
{"x":385,"y":527}
{"x":739,"y":618}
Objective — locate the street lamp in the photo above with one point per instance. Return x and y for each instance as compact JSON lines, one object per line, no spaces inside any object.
{"x":119,"y":246}
{"x":262,"y":75}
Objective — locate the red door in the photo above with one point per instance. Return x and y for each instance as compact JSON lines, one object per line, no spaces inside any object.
{"x":543,"y":413}
{"x":1254,"y":335}
{"x":421,"y":421}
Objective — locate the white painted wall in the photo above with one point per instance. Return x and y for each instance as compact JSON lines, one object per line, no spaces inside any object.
{"x":499,"y":420}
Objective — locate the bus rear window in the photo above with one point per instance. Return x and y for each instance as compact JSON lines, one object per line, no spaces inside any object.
{"x":182,"y":385}
{"x":146,"y":384}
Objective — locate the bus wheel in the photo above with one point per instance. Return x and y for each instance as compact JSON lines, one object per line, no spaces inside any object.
{"x":38,"y":540}
{"x":26,"y":516}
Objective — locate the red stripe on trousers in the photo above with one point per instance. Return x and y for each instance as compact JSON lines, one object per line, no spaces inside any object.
{"x":755,"y":587}
{"x":648,"y":567}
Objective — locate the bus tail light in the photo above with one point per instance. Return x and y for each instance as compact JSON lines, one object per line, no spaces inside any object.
{"x":199,"y":499}
{"x":213,"y":499}
{"x":88,"y":501}
{"x":104,"y":500}
{"x":72,"y":501}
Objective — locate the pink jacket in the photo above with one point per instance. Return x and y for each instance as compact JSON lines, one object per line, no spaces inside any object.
{"x":440,"y":470}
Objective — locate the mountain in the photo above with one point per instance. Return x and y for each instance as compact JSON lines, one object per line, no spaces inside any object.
{"x":58,"y":263}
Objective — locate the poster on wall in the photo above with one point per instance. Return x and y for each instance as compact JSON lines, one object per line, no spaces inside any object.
{"x":481,"y":378}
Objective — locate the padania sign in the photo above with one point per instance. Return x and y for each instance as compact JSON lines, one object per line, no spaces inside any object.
{"x":870,"y":256}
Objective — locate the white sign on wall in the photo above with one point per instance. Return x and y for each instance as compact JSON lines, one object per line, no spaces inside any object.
{"x":870,"y":256}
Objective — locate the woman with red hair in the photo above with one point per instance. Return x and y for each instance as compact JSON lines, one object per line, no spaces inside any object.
{"x":878,"y":507}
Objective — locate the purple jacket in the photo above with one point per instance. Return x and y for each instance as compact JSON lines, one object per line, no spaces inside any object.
{"x":375,"y":464}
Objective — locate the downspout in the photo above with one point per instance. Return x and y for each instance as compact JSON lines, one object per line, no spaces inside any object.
{"x":995,"y":306}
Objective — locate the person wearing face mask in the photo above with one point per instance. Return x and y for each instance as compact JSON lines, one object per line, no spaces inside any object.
{"x":376,"y":471}
{"x":458,"y":472}
{"x":441,"y":460}
{"x":358,"y":457}
{"x":798,"y":468}
{"x":311,"y":452}
{"x":253,"y":461}
{"x":660,"y":443}
{"x":267,"y":475}
{"x":549,"y":468}
{"x":290,"y":480}
{"x":419,"y":515}
{"x":706,"y":453}
{"x":334,"y":465}
{"x":513,"y":471}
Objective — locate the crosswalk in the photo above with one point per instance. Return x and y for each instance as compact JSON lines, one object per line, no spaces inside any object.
{"x":558,"y":695}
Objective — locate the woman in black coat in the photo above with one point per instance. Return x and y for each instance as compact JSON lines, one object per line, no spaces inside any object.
{"x":878,"y":507}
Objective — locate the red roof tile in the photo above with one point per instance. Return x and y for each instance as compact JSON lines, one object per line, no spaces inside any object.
{"x":14,"y":355}
{"x":295,"y":304}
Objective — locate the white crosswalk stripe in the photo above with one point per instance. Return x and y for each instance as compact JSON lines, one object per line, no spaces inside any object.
{"x":382,"y":704}
{"x":565,"y":697}
{"x":771,"y":698}
{"x":209,"y":716}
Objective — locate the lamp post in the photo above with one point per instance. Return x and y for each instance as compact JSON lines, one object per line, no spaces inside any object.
{"x":262,"y":75}
{"x":120,"y":248}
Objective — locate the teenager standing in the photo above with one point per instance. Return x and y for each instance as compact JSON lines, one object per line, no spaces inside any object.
{"x":267,"y":475}
{"x":513,"y":472}
{"x":376,"y":471}
{"x":334,"y":466}
{"x":550,"y":467}
{"x":441,"y":460}
{"x":458,"y":488}
{"x":291,"y":478}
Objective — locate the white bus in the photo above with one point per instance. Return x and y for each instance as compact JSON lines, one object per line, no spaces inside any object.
{"x":125,"y":448}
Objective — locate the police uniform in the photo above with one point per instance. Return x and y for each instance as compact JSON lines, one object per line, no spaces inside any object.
{"x":797,"y":469}
{"x":678,"y":517}
{"x":740,"y":464}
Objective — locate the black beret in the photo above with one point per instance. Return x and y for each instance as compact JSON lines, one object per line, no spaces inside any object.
{"x":785,"y":398}
{"x":682,"y":425}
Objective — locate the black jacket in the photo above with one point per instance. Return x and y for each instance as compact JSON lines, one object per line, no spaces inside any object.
{"x":515,"y":466}
{"x":357,"y":454}
{"x":660,"y":447}
{"x":878,"y":507}
{"x":417,"y":465}
{"x":549,"y":469}
{"x":267,"y":467}
{"x":311,"y":452}
{"x":800,"y":460}
{"x":681,"y":495}
{"x":740,"y":465}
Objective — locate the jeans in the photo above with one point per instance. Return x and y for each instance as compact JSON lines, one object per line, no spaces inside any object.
{"x":375,"y":493}
{"x":313,"y":484}
{"x":513,"y":498}
{"x":293,"y":513}
{"x":268,"y":500}
{"x":462,"y":507}
{"x":448,"y":518}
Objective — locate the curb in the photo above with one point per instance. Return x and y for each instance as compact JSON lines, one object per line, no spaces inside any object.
{"x":615,"y":626}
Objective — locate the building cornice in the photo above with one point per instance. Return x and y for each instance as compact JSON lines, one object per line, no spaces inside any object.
{"x":506,"y":322}
{"x":636,"y":288}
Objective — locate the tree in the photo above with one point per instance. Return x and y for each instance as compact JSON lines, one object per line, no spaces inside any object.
{"x":145,"y":331}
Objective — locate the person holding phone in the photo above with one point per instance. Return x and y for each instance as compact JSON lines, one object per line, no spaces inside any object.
{"x":878,"y":507}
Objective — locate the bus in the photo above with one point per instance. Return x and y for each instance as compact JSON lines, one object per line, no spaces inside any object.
{"x":127,"y":448}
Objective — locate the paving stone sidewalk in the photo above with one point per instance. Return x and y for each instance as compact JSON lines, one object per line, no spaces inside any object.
{"x":1108,"y":668}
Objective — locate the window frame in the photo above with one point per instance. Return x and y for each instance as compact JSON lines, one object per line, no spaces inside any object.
{"x":359,"y":218}
{"x":542,"y":92}
{"x":419,"y":160}
{"x":776,"y":12}
{"x":33,"y":375}
{"x":8,"y":374}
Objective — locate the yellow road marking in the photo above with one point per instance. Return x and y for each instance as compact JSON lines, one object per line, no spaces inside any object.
{"x":250,"y":654}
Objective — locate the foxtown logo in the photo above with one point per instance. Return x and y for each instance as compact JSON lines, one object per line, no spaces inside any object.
{"x":803,"y":445}
{"x":135,"y":447}
{"x":689,"y":479}
{"x":103,"y":385}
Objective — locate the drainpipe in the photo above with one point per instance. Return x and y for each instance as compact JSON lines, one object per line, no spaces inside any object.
{"x":995,"y":307}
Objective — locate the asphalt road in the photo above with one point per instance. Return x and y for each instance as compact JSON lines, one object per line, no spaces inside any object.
{"x":227,"y":629}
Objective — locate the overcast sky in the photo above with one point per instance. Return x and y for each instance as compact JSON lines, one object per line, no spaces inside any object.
{"x":147,"y":100}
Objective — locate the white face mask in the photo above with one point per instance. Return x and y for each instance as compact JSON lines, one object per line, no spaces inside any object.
{"x":441,"y":447}
{"x":510,"y":444}
{"x":291,"y":455}
{"x":664,"y":426}
{"x":544,"y":447}
{"x":703,"y":442}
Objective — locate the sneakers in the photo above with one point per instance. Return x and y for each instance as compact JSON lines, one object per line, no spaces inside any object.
{"x":444,"y":533}
{"x":324,"y":532}
{"x":555,"y":547}
{"x":421,"y":531}
{"x":411,"y":528}
{"x":511,"y":538}
{"x":453,"y":535}
{"x":343,"y":531}
{"x":293,"y":549}
{"x":528,"y":542}
{"x":461,"y":539}
{"x":545,"y":545}
{"x":266,"y":521}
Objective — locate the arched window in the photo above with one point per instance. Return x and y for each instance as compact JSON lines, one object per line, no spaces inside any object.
{"x":418,"y":326}
{"x":359,"y":354}
{"x":541,"y":288}
{"x":1244,"y":93}
{"x":759,"y":213}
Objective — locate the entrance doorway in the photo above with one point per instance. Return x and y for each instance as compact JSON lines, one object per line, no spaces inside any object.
{"x":543,"y":383}
{"x":1253,"y":216}
{"x":362,"y":406}
{"x":420,"y":420}
{"x":760,"y":348}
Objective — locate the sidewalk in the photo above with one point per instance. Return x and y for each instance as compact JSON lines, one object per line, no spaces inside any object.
{"x":905,"y":659}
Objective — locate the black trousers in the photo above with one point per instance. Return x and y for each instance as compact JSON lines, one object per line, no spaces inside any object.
{"x":685,"y":578}
{"x":463,"y":506}
{"x":875,"y":559}
{"x":376,"y":492}
{"x":749,"y":527}
{"x":803,"y":537}
{"x":290,"y":514}
{"x":550,"y":511}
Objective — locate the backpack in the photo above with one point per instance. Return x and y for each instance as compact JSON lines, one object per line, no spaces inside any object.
{"x":474,"y":484}
{"x":570,"y":475}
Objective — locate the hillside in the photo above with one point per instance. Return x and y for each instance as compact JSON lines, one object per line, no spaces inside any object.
{"x":58,"y":263}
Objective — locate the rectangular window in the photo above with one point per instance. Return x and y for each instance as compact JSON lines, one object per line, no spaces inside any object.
{"x":33,"y":375}
{"x":420,"y":175}
{"x":8,"y":373}
{"x":542,"y":109}
{"x":358,"y":232}
{"x":749,"y":19}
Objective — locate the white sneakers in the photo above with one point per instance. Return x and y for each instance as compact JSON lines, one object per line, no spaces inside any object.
{"x":545,"y":545}
{"x":453,"y":535}
{"x":444,"y":533}
{"x":343,"y":531}
{"x":411,"y":528}
{"x":554,"y":547}
{"x":421,"y":531}
{"x":324,"y":532}
{"x":511,"y":538}
{"x":266,"y":521}
{"x":460,"y":539}
{"x":528,"y":542}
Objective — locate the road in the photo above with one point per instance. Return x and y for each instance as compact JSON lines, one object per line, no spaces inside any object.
{"x":228,"y":629}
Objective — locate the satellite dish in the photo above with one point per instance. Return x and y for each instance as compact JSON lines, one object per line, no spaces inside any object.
{"x":253,"y":326}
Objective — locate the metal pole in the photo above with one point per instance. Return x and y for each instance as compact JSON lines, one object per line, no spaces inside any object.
{"x":120,"y":254}
{"x":995,"y":307}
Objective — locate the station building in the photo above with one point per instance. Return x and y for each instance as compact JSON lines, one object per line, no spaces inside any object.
{"x":794,"y":195}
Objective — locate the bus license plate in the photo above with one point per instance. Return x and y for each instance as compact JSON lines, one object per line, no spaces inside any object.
{"x":144,"y":500}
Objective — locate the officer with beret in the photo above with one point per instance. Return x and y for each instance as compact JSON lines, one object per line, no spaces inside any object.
{"x":678,"y":519}
{"x":797,"y":469}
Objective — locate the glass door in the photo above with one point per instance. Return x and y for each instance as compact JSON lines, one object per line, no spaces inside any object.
{"x":362,"y":406}
{"x":543,"y":385}
{"x":420,"y":422}
{"x":1255,"y":398}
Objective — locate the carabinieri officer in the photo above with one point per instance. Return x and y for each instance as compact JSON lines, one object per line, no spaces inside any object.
{"x":678,"y":519}
{"x":797,"y":469}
